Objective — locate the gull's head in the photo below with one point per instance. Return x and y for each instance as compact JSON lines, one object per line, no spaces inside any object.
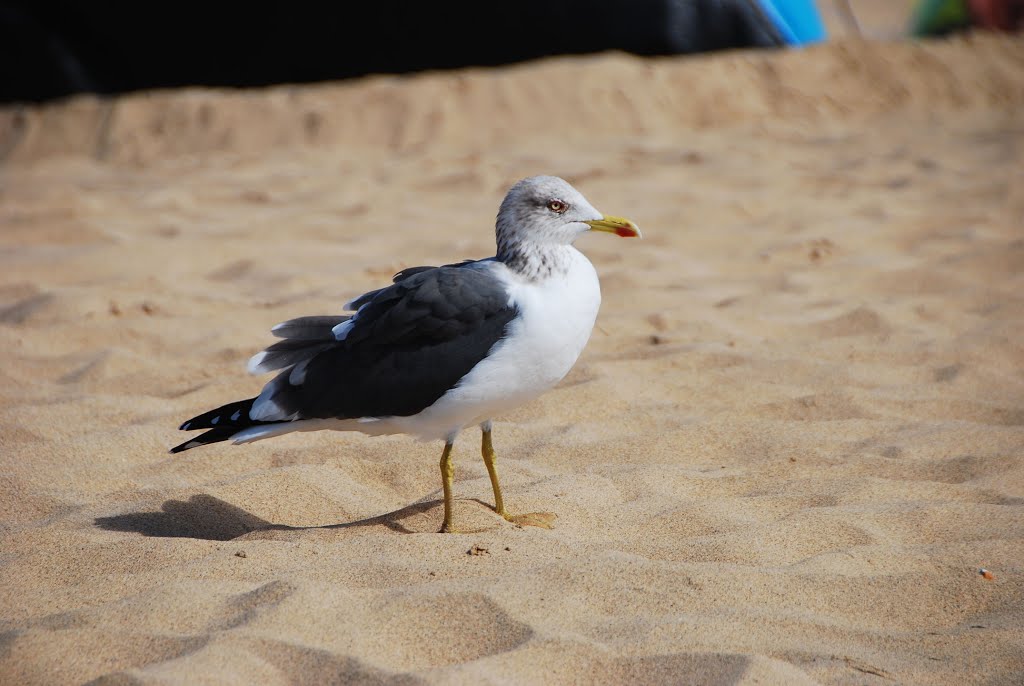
{"x":546,"y":209}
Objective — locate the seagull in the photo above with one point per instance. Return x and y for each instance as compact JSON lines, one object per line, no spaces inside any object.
{"x":442,"y":348}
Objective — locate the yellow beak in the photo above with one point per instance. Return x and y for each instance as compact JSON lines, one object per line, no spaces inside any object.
{"x":620,"y":226}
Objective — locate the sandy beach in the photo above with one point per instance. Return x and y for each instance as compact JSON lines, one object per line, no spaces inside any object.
{"x":795,"y":437}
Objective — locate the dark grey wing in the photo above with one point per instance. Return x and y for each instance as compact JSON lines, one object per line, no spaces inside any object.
{"x":303,"y":337}
{"x":413,"y":271}
{"x":408,"y":345}
{"x":356,"y":303}
{"x":316,"y":328}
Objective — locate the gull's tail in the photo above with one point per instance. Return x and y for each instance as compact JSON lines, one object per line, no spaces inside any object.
{"x":304,"y":338}
{"x":223,"y":423}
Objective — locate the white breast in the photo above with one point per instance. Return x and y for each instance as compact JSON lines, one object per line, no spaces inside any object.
{"x":556,"y":317}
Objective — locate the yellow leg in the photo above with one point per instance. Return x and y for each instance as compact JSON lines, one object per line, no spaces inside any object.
{"x":447,"y":474}
{"x":487,"y":450}
{"x":544,"y":520}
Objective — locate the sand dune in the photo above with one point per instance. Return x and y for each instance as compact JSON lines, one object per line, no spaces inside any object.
{"x":795,"y":436}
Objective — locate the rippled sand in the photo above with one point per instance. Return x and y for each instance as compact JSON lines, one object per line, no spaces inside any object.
{"x":796,"y":435}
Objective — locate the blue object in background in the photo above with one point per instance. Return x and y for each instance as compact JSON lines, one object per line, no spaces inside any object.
{"x":797,"y":20}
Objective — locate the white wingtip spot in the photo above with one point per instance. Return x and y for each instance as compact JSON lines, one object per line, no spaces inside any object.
{"x":236,"y":415}
{"x":254,"y":363}
{"x":341,"y":330}
{"x":266,"y":410}
{"x":214,"y":421}
{"x":184,"y":427}
{"x":297,"y":377}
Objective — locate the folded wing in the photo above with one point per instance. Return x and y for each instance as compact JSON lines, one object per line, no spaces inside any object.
{"x":407,"y":345}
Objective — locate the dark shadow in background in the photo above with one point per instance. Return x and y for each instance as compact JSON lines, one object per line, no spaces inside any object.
{"x":51,"y":49}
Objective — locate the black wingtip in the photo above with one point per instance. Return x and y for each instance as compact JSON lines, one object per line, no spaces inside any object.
{"x":188,"y":444}
{"x":216,"y":435}
{"x":221,"y":416}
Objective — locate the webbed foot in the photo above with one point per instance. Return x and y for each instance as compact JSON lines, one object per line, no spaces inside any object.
{"x":543,"y":520}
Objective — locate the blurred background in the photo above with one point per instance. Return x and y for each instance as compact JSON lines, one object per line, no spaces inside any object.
{"x":52,"y":49}
{"x":794,"y":438}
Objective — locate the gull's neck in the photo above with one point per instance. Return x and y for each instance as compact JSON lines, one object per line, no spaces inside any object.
{"x":535,"y":261}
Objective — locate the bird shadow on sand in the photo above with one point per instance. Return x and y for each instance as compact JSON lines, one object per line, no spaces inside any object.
{"x":212,"y":519}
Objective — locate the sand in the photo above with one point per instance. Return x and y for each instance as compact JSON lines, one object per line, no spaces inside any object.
{"x":793,"y":440}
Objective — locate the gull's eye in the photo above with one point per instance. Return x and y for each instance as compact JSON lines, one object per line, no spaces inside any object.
{"x":558,"y":206}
